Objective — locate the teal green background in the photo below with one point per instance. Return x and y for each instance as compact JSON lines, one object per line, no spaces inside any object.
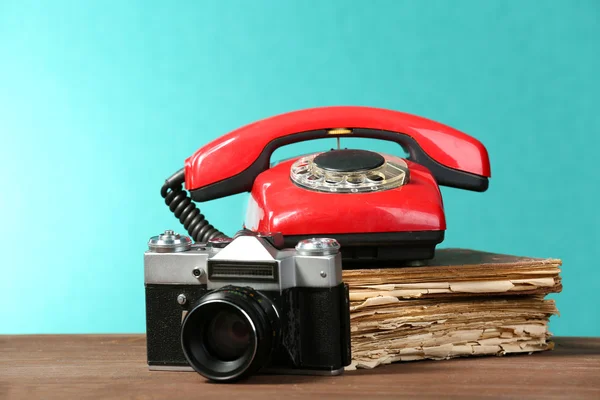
{"x":100,"y":101}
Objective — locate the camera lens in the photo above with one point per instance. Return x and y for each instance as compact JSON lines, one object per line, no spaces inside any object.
{"x":230,"y":333}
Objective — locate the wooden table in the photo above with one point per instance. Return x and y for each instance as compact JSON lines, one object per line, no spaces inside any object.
{"x":113,"y":367}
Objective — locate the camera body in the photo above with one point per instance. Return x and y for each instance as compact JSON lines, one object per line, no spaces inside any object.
{"x":233,"y":307}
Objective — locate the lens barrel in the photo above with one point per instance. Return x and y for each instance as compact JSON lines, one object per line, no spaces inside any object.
{"x":230,"y":333}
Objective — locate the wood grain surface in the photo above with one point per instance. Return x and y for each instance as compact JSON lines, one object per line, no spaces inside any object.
{"x":114,"y":367}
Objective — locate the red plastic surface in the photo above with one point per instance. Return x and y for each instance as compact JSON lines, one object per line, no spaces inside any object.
{"x":236,"y":151}
{"x":278,"y":205}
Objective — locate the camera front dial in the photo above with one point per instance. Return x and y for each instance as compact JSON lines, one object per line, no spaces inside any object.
{"x":230,"y":333}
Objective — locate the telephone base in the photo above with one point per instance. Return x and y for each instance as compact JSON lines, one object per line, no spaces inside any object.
{"x":377,"y":250}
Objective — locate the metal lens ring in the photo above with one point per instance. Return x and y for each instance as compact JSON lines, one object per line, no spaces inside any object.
{"x":392,"y":174}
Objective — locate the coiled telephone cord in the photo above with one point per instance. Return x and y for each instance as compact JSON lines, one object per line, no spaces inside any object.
{"x":178,"y":201}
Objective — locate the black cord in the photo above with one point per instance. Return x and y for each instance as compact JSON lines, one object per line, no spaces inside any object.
{"x":178,"y":201}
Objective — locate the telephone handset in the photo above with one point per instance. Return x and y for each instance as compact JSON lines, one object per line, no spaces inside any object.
{"x":411,"y":220}
{"x":230,"y":164}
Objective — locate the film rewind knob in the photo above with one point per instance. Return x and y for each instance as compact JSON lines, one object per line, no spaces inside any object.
{"x":169,"y":242}
{"x":318,"y":247}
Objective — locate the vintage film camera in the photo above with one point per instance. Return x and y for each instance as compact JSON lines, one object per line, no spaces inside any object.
{"x":230,"y":308}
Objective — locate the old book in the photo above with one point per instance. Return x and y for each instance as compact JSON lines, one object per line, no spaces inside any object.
{"x":463,"y":303}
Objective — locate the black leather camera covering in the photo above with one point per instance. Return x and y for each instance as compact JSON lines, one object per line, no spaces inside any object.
{"x":163,"y":322}
{"x":315,"y":326}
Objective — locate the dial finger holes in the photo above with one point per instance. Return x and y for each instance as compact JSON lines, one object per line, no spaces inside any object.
{"x":375,"y":177}
{"x":333,"y":180}
{"x":300,"y":169}
{"x":312,"y":179}
{"x":308,"y":174}
{"x":355,"y":179}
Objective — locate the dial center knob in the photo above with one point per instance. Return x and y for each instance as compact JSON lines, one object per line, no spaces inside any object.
{"x":348,"y":160}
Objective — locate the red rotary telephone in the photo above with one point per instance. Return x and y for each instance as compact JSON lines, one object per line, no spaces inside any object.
{"x":378,"y":206}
